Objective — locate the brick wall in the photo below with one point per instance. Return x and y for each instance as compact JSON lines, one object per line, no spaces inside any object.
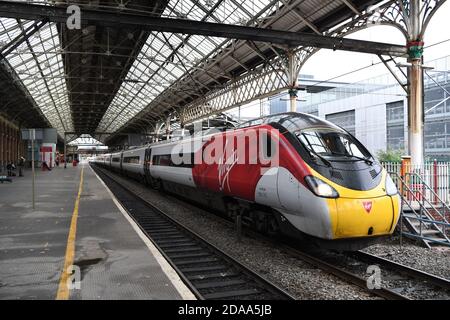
{"x":11,"y":145}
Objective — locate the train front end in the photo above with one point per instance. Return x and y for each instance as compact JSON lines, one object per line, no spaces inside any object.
{"x":357,"y":213}
{"x":344,"y":194}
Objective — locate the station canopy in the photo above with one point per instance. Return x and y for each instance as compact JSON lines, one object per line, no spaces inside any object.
{"x":87,"y":142}
{"x":100,"y":80}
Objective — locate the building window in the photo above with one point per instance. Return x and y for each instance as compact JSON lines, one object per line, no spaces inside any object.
{"x":434,"y":98}
{"x":437,"y":135}
{"x":278,"y":104}
{"x":344,"y":119}
{"x":395,"y":113}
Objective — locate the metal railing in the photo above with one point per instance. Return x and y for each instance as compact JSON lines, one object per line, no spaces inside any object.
{"x":435,"y":174}
{"x":429,"y":214}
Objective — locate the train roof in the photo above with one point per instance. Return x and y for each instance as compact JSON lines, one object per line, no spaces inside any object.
{"x":292,"y":121}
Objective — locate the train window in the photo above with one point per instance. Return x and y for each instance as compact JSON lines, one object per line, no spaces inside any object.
{"x":166,"y":160}
{"x":133,"y":160}
{"x":161,"y":160}
{"x":115,"y":159}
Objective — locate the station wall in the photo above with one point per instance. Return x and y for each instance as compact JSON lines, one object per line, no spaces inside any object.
{"x":11,"y":145}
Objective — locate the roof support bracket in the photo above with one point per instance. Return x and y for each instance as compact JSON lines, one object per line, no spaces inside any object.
{"x":400,"y":82}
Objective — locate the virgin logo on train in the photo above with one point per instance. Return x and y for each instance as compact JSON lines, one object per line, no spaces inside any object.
{"x":367,"y":206}
{"x":224,"y":167}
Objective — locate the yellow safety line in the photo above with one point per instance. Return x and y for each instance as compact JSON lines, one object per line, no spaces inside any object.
{"x":63,"y":289}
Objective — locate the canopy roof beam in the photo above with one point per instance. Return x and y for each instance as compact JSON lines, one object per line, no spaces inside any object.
{"x":151,"y":23}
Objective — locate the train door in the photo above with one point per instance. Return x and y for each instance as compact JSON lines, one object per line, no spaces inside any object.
{"x":147,"y":161}
{"x":121,"y":162}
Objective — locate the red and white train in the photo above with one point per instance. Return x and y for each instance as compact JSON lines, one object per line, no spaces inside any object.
{"x":290,"y":173}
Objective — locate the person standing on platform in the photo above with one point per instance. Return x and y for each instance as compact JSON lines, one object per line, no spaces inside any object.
{"x":21,"y":164}
{"x":9,"y":169}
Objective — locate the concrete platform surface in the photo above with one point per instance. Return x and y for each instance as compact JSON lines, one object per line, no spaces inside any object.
{"x":114,"y":259}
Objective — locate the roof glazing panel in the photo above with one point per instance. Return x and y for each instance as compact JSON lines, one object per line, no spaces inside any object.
{"x":165,"y":57}
{"x":38,"y":63}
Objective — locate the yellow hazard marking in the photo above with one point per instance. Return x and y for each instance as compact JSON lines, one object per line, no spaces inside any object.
{"x":63,"y":289}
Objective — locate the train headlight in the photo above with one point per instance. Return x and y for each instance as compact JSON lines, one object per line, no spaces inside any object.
{"x":391,"y":188}
{"x":320,"y":188}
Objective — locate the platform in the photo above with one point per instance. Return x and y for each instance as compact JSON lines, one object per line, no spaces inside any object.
{"x":115,"y":259}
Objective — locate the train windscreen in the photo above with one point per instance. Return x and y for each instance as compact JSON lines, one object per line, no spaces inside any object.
{"x":333,"y":145}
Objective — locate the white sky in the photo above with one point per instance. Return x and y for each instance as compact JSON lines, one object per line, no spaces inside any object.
{"x":327,"y":64}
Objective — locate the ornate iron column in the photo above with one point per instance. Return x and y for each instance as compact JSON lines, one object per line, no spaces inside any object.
{"x":413,"y":17}
{"x":292,"y":73}
{"x":415,"y":80}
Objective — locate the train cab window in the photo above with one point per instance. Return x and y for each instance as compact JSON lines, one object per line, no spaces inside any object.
{"x":313,"y":142}
{"x":333,"y":144}
{"x":351,"y":148}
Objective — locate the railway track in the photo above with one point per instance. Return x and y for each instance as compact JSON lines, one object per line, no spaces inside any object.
{"x":412,"y":272}
{"x":342,"y":273}
{"x":406,"y":280}
{"x":400,"y":282}
{"x":205,"y":269}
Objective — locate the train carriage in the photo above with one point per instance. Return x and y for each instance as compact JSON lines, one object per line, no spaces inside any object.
{"x":132,"y":163}
{"x":308,"y":178}
{"x":116,"y":162}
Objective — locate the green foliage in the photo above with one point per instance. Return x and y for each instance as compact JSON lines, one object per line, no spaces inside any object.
{"x":390,"y":155}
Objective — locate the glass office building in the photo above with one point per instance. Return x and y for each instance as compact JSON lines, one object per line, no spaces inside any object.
{"x":375,"y":110}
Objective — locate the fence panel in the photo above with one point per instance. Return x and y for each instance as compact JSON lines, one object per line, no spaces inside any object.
{"x":434,"y":174}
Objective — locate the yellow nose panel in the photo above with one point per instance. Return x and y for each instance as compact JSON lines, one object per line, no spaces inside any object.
{"x":364,"y":217}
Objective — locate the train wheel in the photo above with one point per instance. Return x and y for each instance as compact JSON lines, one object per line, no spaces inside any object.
{"x":232,"y":209}
{"x":156,"y":184}
{"x":273,"y":228}
{"x":260,"y":221}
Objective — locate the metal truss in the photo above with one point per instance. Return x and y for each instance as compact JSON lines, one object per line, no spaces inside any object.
{"x":259,"y":83}
{"x":188,"y":77}
{"x":221,"y":99}
{"x":163,"y":103}
{"x":395,"y":13}
{"x":193,"y":27}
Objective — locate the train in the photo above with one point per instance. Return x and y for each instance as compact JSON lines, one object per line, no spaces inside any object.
{"x":289,"y":174}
